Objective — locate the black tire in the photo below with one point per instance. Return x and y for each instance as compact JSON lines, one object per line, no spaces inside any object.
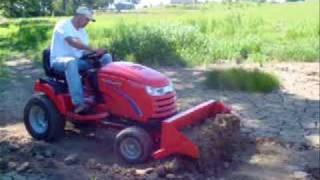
{"x":40,"y":108}
{"x":137,"y":137}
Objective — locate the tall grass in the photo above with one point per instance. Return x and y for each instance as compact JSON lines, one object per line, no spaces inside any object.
{"x":187,"y":35}
{"x":241,"y":79}
{"x":24,"y":37}
{"x":165,"y":44}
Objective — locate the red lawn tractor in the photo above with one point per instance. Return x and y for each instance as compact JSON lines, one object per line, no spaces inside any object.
{"x":136,"y":100}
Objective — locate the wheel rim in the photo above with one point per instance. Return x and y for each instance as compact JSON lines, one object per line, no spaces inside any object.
{"x":37,"y":119}
{"x":130,"y":148}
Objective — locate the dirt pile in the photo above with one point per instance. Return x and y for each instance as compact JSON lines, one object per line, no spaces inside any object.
{"x":216,"y":139}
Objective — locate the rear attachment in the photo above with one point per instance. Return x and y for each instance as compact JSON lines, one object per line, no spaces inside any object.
{"x":214,"y":127}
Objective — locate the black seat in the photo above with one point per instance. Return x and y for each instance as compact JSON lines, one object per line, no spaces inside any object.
{"x":56,"y":77}
{"x":47,"y":68}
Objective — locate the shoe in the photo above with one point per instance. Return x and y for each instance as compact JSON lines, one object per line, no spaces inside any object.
{"x":81,"y":108}
{"x":99,"y":99}
{"x":89,"y":101}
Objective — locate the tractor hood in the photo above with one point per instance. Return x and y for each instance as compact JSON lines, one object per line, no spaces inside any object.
{"x":136,"y":72}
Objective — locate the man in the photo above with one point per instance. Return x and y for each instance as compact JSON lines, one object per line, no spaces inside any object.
{"x":69,"y":43}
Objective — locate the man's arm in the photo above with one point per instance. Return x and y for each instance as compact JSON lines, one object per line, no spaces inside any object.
{"x":76,"y":43}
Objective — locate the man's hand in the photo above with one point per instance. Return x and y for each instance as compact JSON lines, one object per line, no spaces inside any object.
{"x":100,"y":52}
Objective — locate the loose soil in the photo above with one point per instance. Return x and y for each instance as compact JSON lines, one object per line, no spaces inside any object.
{"x":279,"y":137}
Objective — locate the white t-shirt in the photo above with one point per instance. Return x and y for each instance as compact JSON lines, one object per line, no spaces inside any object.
{"x":59,"y":46}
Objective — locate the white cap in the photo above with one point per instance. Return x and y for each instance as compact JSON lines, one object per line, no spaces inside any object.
{"x":86,"y":12}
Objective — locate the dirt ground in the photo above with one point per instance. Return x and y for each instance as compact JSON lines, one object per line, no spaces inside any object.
{"x":279,"y":132}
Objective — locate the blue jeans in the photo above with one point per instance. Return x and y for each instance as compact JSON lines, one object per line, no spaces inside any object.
{"x":71,"y":67}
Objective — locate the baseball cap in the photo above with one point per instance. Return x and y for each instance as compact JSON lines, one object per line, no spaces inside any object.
{"x":86,"y":12}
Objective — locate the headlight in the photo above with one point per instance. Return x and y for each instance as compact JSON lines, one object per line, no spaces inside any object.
{"x":154,"y":91}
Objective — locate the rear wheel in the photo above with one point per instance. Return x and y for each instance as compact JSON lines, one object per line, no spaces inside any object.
{"x":42,"y":119}
{"x":133,"y":144}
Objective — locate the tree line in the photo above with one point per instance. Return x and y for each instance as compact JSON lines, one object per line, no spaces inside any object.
{"x":34,"y":8}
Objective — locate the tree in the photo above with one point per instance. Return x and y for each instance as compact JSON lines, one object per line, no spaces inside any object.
{"x":26,"y":8}
{"x":33,"y":8}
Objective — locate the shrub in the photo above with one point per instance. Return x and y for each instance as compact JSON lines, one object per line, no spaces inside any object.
{"x":173,"y":44}
{"x":241,"y":79}
{"x":33,"y":36}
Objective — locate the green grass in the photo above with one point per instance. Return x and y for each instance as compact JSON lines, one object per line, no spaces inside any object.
{"x":186,"y":35}
{"x":242,"y":79}
{"x":211,"y":32}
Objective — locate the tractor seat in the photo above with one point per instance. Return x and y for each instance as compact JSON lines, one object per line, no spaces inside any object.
{"x":47,"y":68}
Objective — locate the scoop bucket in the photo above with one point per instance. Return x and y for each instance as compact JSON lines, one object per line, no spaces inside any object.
{"x":174,"y":142}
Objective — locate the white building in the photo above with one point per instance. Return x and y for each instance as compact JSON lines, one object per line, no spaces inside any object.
{"x":183,"y":1}
{"x":154,"y":3}
{"x":276,"y":1}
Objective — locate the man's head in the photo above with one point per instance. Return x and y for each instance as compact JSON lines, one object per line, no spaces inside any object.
{"x":82,"y":16}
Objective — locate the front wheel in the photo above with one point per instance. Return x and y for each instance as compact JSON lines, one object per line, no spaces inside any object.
{"x":133,"y":144}
{"x":42,"y":119}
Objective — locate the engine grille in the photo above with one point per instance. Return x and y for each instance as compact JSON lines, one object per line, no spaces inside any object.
{"x":164,"y":106}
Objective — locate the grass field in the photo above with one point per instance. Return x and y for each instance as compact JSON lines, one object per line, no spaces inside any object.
{"x":186,"y":35}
